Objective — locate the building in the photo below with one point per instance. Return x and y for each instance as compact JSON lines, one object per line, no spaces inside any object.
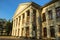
{"x":34,"y":21}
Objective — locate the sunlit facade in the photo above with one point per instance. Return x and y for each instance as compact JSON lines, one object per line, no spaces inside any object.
{"x":33,"y":21}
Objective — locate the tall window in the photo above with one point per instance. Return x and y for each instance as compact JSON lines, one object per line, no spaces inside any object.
{"x":52,"y":31}
{"x":22,"y":32}
{"x":16,"y":21}
{"x":27,"y":31}
{"x":45,"y":32}
{"x":34,"y":15}
{"x":23,"y":18}
{"x":34,"y":28}
{"x":23,"y":15}
{"x":44,"y":17}
{"x":34,"y":31}
{"x":50,"y":14}
{"x":28,"y":13}
{"x":18,"y":31}
{"x":59,"y":28}
{"x":19,"y":19}
{"x":58,"y":12}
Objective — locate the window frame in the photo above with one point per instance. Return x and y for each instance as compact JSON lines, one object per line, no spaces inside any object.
{"x":58,"y":12}
{"x":50,"y":14}
{"x":45,"y":32}
{"x":52,"y":31}
{"x":44,"y":17}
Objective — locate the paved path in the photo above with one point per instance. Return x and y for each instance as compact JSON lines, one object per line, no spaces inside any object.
{"x":13,"y":38}
{"x":8,"y":38}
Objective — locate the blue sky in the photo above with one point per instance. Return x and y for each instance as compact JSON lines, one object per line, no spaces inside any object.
{"x":8,"y":7}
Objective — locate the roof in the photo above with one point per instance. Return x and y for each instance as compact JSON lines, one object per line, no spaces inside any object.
{"x":53,"y":1}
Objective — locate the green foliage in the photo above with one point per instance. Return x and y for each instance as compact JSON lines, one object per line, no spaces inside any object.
{"x":6,"y":25}
{"x":9,"y":27}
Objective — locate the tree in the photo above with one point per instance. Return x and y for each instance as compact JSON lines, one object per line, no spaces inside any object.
{"x":9,"y":27}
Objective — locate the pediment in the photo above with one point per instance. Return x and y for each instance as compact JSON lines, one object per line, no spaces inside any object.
{"x":23,"y":6}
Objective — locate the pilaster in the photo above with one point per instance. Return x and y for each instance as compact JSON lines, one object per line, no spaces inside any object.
{"x":31,"y":22}
{"x":55,"y":25}
{"x":39,"y":25}
{"x":21,"y":25}
{"x":47,"y":22}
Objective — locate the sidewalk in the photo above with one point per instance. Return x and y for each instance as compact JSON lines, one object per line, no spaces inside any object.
{"x":8,"y":38}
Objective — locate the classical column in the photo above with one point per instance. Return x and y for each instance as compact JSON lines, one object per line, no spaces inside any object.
{"x":12,"y":28}
{"x":24,"y":32}
{"x":31,"y":22}
{"x":15,"y":28}
{"x":55,"y":24}
{"x":47,"y":21}
{"x":21,"y":24}
{"x":39,"y":25}
{"x":25,"y":24}
{"x":25,"y":18}
{"x":18,"y":26}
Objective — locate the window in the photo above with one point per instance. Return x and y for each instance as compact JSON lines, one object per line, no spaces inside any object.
{"x":45,"y":32}
{"x":18,"y":31}
{"x":52,"y":31}
{"x":58,"y":12}
{"x":27,"y":31}
{"x":23,"y":16}
{"x":19,"y":19}
{"x":28,"y":13}
{"x":59,"y":28}
{"x":34,"y":15}
{"x":34,"y":12}
{"x":16,"y":21}
{"x":50,"y":14}
{"x":44,"y":17}
{"x":34,"y":28}
{"x":34,"y":31}
{"x":23,"y":19}
{"x":22,"y":32}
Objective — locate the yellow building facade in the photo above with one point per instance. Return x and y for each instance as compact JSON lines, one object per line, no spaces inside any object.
{"x":33,"y":21}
